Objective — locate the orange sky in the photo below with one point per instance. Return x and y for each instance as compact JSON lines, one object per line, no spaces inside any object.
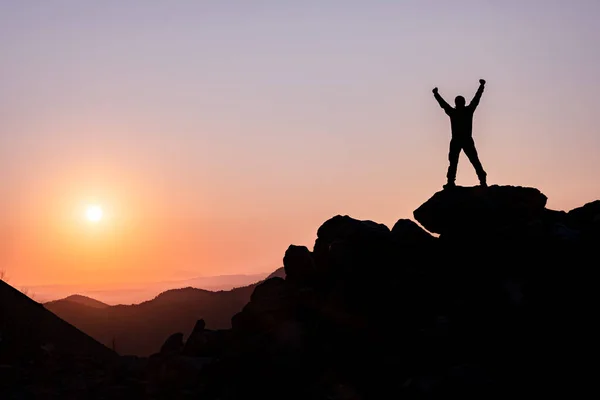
{"x":216,"y":136}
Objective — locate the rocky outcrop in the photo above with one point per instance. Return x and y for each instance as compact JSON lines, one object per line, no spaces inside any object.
{"x":586,"y":220}
{"x":477,"y":211}
{"x":407,"y":233}
{"x":585,"y":216}
{"x":173,"y":344}
{"x":501,"y":305}
{"x":371,"y":311}
{"x":204,"y":342}
{"x":299,"y":264}
{"x":343,"y":244}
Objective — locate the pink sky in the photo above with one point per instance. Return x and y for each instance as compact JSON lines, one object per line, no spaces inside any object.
{"x":215,"y":134}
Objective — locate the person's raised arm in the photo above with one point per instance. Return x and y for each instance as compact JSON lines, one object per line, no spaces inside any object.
{"x":441,"y":101}
{"x":475,"y":102}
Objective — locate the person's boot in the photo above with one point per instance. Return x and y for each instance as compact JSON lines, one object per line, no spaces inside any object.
{"x":450,"y":185}
{"x":483,"y":180}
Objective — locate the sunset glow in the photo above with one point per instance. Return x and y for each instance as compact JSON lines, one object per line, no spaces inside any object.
{"x":93,"y":213}
{"x":145,"y":141}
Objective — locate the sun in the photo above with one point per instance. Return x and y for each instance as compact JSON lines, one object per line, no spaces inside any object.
{"x":93,"y":213}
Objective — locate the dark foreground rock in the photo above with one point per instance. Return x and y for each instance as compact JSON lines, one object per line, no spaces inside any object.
{"x":479,"y":210}
{"x":501,"y":305}
{"x":59,"y":376}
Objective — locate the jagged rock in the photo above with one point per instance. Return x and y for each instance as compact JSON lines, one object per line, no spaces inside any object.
{"x":200,"y":326}
{"x":269,"y":292}
{"x":554,"y":216}
{"x":277,"y":312}
{"x":298,"y":264}
{"x":406,"y":232}
{"x":478,"y":210}
{"x":550,"y":226}
{"x":268,"y":303}
{"x":345,"y":227}
{"x":204,"y":342}
{"x":173,"y":344}
{"x":582,"y":217}
{"x":581,"y":222}
{"x":197,"y":340}
{"x":454,"y":329}
{"x":586,"y":219}
{"x":344,"y":242}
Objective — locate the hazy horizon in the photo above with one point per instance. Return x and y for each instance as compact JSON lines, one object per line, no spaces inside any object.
{"x":215,"y":134}
{"x":135,"y":292}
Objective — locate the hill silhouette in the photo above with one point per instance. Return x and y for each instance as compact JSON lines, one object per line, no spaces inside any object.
{"x":500,"y":305}
{"x":137,"y":292}
{"x":141,"y":329}
{"x":78,"y":299}
{"x":39,"y":351}
{"x":26,"y":327}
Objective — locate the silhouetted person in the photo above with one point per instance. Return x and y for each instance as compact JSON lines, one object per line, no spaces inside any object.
{"x":461,"y":118}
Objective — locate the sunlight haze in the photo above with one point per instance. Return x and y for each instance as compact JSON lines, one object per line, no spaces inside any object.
{"x":148,"y":141}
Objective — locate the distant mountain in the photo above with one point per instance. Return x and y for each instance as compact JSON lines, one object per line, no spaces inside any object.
{"x":141,"y":329}
{"x":215,"y":283}
{"x":79,"y":299}
{"x":133,"y":293}
{"x":28,"y":330}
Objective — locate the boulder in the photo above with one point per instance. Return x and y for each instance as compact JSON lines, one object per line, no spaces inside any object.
{"x":584,"y":216}
{"x":173,"y":344}
{"x":406,"y":232}
{"x":344,"y":242}
{"x":480,"y":210}
{"x":268,"y":304}
{"x":446,"y":320}
{"x":196,"y":341}
{"x":586,"y":219}
{"x":345,"y":227}
{"x":298,"y":264}
{"x":269,"y":292}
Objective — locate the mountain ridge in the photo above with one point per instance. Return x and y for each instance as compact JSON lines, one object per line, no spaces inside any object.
{"x":140,"y":329}
{"x":80,"y":299}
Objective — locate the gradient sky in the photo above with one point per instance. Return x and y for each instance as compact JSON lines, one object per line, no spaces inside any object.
{"x":216,"y":133}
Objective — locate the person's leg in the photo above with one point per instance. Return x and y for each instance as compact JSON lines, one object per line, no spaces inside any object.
{"x":471,"y":152}
{"x":453,"y":155}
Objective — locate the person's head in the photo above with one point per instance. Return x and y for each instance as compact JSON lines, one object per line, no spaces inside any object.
{"x":459,"y":101}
